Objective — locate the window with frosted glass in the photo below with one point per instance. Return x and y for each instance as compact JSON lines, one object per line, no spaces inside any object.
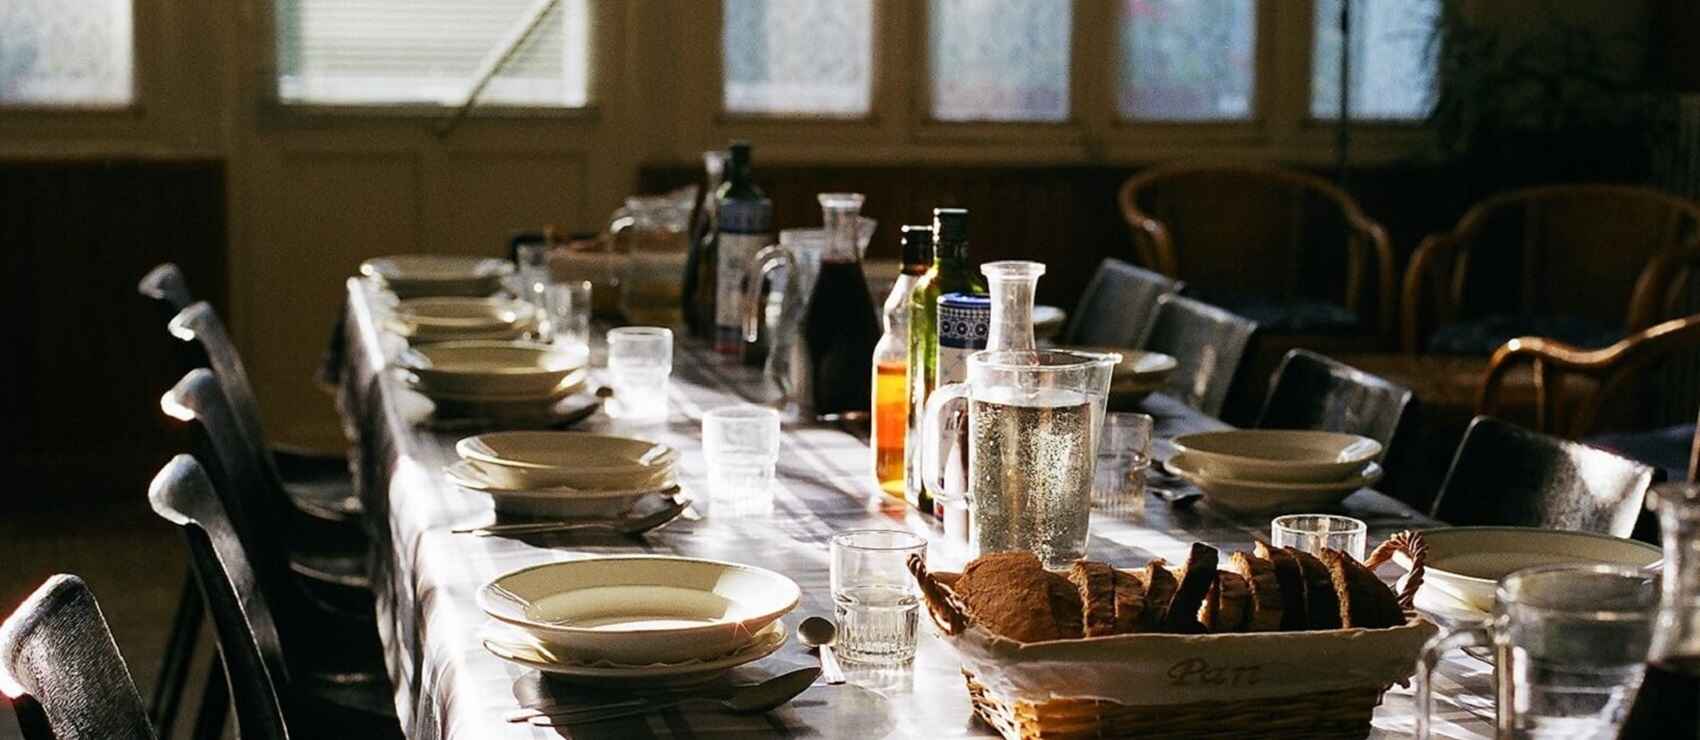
{"x":75,"y":53}
{"x":798,"y":57}
{"x":999,"y":60}
{"x":1186,"y":60}
{"x":1392,"y":59}
{"x":429,"y":52}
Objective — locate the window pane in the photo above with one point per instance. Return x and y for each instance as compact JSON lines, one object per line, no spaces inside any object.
{"x":427,"y":51}
{"x":798,"y":56}
{"x":65,"y":52}
{"x":1187,"y":59}
{"x":999,"y":60}
{"x":1392,"y":72}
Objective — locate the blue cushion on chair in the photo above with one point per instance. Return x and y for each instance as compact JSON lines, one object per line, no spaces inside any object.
{"x":1666,"y":449}
{"x":1480,"y":337}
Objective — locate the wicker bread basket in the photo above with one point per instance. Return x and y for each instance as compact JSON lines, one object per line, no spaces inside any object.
{"x":1312,"y":684}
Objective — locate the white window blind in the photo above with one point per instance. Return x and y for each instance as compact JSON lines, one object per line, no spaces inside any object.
{"x":798,"y":57}
{"x":74,"y":53}
{"x":387,"y":52}
{"x":1392,"y":72}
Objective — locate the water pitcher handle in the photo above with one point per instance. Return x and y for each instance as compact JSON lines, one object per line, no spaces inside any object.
{"x":943,"y":422}
{"x":1479,"y":634}
{"x":764,"y":261}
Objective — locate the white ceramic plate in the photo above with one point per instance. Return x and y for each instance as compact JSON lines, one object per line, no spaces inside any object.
{"x":544,"y":459}
{"x":1048,"y":321}
{"x":1467,"y":562}
{"x":553,"y":502}
{"x":461,"y":314}
{"x":1278,"y":455}
{"x":1264,"y":497}
{"x":520,"y":648}
{"x":487,"y":368}
{"x":418,"y":275}
{"x":640,"y":610}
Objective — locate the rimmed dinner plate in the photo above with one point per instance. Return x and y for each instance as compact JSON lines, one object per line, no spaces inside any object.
{"x":498,"y":369}
{"x":463,"y":314}
{"x":1268,"y":497}
{"x":1466,"y":563}
{"x":1278,"y":455}
{"x":1139,"y":374}
{"x":640,"y":609}
{"x":418,"y":275}
{"x":521,"y":649}
{"x":542,"y":459}
{"x":557,"y":502}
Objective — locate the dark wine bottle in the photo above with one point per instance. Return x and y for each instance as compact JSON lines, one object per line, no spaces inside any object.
{"x":1668,"y":703}
{"x":701,"y":264}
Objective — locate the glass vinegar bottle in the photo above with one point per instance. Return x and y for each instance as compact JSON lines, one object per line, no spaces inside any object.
{"x":891,"y":367}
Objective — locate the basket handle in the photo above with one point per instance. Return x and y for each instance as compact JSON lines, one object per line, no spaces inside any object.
{"x":1411,"y":543}
{"x":942,"y":605}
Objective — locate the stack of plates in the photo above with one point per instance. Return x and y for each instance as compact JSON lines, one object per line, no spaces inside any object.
{"x":563,"y":473}
{"x":1136,"y":376}
{"x":1465,"y":563}
{"x":499,"y":381}
{"x":1275,"y":470}
{"x":625,"y":620}
{"x":424,"y":320}
{"x":416,"y":275}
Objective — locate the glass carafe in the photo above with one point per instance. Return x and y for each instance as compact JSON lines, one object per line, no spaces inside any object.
{"x":1668,"y":702}
{"x":1032,"y":448}
{"x":653,"y":232}
{"x":792,"y":265}
{"x":1012,"y":283}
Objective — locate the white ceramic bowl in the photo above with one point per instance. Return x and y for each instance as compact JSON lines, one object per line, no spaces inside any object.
{"x":564,"y":503}
{"x":640,"y":610}
{"x":417,"y":275}
{"x":462,"y":314}
{"x":488,"y":368}
{"x":526,"y":460}
{"x":1263,"y":497}
{"x":520,"y":648}
{"x":1278,"y":455}
{"x":1467,"y":562}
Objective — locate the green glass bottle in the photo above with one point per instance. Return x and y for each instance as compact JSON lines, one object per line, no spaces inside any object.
{"x":951,"y":273}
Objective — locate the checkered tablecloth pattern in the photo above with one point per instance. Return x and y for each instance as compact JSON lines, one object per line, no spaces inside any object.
{"x":448,"y":686}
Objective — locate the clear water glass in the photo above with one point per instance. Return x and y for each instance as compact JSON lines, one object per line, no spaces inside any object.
{"x":568,"y":312}
{"x":1570,"y":647}
{"x":1312,"y":532}
{"x":533,"y":269}
{"x":741,"y":446}
{"x":875,"y":601}
{"x":640,"y":362}
{"x":1124,"y":454}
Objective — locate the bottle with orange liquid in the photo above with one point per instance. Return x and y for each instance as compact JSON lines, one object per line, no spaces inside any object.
{"x":891,"y":365}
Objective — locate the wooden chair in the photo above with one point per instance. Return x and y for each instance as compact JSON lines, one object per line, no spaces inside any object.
{"x":1310,"y":391}
{"x":1265,"y":242}
{"x":1585,"y":264}
{"x":1117,"y":307}
{"x":1207,"y":343}
{"x":1505,"y":475}
{"x":63,"y":673}
{"x":274,"y":695}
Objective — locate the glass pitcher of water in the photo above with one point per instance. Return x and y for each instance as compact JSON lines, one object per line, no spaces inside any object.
{"x":1033,"y":421}
{"x":653,"y":232}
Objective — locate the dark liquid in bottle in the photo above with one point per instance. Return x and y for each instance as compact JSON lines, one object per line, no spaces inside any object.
{"x":840,"y":329}
{"x":1668,"y":704}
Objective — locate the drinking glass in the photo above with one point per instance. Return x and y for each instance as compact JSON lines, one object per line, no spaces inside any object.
{"x":874,"y":599}
{"x":533,"y":258}
{"x":1570,"y":644}
{"x":640,"y":360}
{"x":569,"y":312}
{"x":1124,"y":452}
{"x":741,"y":446}
{"x":1312,"y":532}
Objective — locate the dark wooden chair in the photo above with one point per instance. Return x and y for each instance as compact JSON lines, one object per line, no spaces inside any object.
{"x":271,"y":687}
{"x":1505,"y":475}
{"x":63,"y":673}
{"x":1584,"y":264}
{"x":1310,"y":391}
{"x":1117,"y":307}
{"x":1207,"y":343}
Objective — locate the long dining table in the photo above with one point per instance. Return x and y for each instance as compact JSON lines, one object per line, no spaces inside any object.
{"x":425,"y":575}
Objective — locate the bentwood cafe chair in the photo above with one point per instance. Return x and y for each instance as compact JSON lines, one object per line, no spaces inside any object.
{"x":63,"y":673}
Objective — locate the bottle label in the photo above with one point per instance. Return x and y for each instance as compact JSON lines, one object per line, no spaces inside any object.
{"x":743,"y":232}
{"x":964,"y":323}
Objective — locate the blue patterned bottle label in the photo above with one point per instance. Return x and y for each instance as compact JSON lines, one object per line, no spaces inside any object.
{"x":965,"y":321}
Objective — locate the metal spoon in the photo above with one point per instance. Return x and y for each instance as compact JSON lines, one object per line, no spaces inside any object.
{"x":751,"y":699}
{"x":819,"y":632}
{"x":626,"y":527}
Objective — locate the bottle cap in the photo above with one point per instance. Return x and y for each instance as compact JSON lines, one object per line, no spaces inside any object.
{"x":950,"y":224}
{"x":917,"y":244}
{"x":740,"y":152}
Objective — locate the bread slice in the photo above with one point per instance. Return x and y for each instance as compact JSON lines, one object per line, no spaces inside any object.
{"x":1096,"y":583}
{"x":1227,"y":604}
{"x":1160,"y":586}
{"x":1322,"y":605}
{"x":1011,"y":594}
{"x":1364,"y":600}
{"x":1130,"y":602}
{"x":1292,"y":583}
{"x":1266,"y":607}
{"x":1196,"y":578}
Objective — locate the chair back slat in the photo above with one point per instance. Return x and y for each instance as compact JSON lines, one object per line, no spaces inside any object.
{"x":1310,"y":391}
{"x":1206,"y":342}
{"x":63,"y":672}
{"x":1118,"y":305}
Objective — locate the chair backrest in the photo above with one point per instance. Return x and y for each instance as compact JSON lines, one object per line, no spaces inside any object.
{"x":63,"y":672}
{"x":1505,"y":475}
{"x":247,"y":638}
{"x":167,"y":286}
{"x":1206,"y":342}
{"x":1118,"y":305}
{"x":200,"y":325}
{"x":1310,"y":391}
